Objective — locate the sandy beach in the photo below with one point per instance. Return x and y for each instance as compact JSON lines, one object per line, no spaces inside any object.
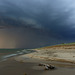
{"x":55,"y":53}
{"x":28,"y":64}
{"x":29,"y":67}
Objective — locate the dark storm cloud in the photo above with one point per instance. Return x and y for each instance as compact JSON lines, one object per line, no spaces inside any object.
{"x":23,"y":38}
{"x":47,"y":13}
{"x":55,"y":18}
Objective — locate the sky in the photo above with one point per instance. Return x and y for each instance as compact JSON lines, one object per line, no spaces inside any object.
{"x":36,"y":23}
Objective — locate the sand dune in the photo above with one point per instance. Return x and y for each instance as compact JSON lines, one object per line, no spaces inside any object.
{"x":55,"y":53}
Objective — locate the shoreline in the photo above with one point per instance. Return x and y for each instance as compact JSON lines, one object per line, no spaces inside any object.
{"x":62,"y":59}
{"x":21,"y":65}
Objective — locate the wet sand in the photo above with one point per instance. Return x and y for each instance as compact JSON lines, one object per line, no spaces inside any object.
{"x":12,"y":67}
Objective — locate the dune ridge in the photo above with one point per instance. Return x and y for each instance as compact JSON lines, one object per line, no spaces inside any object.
{"x":61,"y":53}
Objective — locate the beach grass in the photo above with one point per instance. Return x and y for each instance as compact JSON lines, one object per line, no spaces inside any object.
{"x":58,"y":45}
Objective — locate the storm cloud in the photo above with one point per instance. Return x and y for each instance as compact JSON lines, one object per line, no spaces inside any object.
{"x":39,"y":22}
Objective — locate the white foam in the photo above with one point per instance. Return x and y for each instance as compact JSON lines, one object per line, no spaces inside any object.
{"x":7,"y":56}
{"x":25,"y":51}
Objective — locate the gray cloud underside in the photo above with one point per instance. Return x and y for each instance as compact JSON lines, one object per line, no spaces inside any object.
{"x":55,"y":18}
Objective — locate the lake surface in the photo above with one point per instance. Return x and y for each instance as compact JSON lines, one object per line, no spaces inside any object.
{"x":6,"y":53}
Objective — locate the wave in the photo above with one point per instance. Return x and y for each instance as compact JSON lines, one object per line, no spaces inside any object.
{"x":25,"y":51}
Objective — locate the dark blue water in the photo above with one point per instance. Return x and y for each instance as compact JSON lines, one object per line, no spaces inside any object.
{"x":7,"y":53}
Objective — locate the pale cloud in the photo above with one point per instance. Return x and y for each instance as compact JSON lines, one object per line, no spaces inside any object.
{"x":31,"y":22}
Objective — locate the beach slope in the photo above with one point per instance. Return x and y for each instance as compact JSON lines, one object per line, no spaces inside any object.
{"x":61,"y":53}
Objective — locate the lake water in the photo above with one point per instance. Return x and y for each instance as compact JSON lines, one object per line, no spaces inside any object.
{"x":6,"y":53}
